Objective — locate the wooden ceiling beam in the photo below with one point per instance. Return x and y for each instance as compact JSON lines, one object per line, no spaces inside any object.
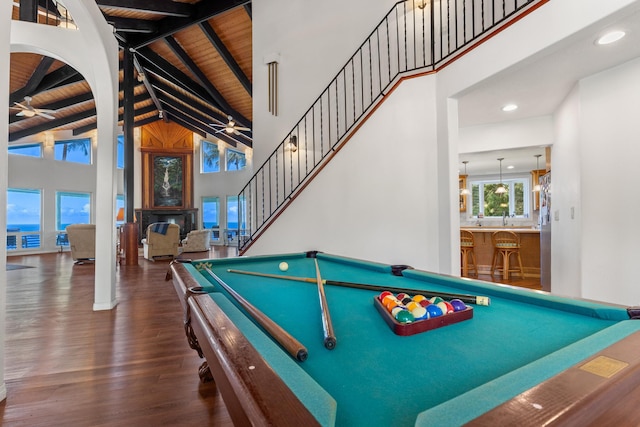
{"x":202,"y":78}
{"x":139,"y":112}
{"x":184,"y":121}
{"x":51,"y":124}
{"x":128,"y":25}
{"x":34,"y":81}
{"x":168,"y":26}
{"x":164,"y":8}
{"x":226,"y":55}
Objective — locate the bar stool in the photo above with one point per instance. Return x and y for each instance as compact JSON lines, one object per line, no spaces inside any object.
{"x":467,"y":245}
{"x":505,"y":244}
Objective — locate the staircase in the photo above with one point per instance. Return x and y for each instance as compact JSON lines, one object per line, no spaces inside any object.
{"x":416,"y":37}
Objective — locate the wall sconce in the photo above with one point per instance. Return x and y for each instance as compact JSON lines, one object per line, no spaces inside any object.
{"x":293,"y":143}
{"x":421,"y":4}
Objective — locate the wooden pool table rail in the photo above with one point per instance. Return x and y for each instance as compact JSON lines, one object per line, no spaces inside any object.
{"x":253,"y":393}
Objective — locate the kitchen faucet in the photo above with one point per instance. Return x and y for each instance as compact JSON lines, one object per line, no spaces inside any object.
{"x":504,"y":218}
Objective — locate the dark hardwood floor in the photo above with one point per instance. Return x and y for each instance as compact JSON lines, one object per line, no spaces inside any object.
{"x":67,"y":365}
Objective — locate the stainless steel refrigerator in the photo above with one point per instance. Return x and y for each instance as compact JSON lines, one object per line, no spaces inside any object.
{"x":545,"y":232}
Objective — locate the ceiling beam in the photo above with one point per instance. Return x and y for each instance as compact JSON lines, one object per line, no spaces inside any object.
{"x":201,"y":122}
{"x":128,"y":25}
{"x":182,"y":120}
{"x":36,"y":78}
{"x":144,"y":110}
{"x":247,"y":8}
{"x":169,"y":91}
{"x":202,"y":11}
{"x":52,"y":124}
{"x":28,"y":10}
{"x":165,"y":8}
{"x":145,"y":80}
{"x":191,"y":66}
{"x":226,"y":55}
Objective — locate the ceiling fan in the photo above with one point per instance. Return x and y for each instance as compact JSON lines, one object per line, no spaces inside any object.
{"x":230,"y":127}
{"x":29,"y":110}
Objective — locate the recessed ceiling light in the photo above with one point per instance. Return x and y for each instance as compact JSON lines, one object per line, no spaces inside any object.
{"x":510,"y":107}
{"x":611,"y":37}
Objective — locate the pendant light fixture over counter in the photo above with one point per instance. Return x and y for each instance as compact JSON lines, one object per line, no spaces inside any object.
{"x":501,"y":188}
{"x":465,"y":191}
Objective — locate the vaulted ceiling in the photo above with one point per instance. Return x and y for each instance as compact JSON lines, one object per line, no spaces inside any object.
{"x":192,"y":59}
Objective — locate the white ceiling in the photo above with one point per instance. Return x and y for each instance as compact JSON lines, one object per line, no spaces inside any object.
{"x":539,"y":84}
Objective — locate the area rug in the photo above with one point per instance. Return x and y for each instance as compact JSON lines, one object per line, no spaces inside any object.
{"x":17,"y":266}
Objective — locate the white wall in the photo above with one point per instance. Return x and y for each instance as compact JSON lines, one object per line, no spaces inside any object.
{"x":313,"y":40}
{"x":374,"y":198}
{"x":537,"y":131}
{"x":609,"y":153}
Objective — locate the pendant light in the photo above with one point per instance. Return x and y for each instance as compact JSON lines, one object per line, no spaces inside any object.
{"x":501,"y":188}
{"x":536,"y":187}
{"x":465,"y":191}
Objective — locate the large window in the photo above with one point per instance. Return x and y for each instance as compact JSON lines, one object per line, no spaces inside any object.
{"x":235,"y":160}
{"x":31,"y":150}
{"x":210,"y":157}
{"x":236,"y":211}
{"x":120,"y":152}
{"x":24,"y":212}
{"x":210,"y":212}
{"x":75,"y":150}
{"x":72,"y":208}
{"x":512,"y":203}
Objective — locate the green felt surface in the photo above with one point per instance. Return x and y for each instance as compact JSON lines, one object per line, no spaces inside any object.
{"x":379,"y":378}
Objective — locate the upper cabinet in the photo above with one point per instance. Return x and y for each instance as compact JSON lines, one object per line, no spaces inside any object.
{"x":535,"y":180}
{"x":462,"y":183}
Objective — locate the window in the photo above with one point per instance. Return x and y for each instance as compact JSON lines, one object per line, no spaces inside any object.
{"x":235,"y":212}
{"x":210,"y":212}
{"x":512,"y":203}
{"x":75,"y":150}
{"x":31,"y":150}
{"x":120,"y":152}
{"x":24,"y":211}
{"x":210,"y":157}
{"x":119,"y":204}
{"x":235,"y":160}
{"x":72,"y":208}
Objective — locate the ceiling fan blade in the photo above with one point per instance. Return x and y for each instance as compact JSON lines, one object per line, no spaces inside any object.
{"x":46,"y":116}
{"x":218,"y":131}
{"x":21,"y":106}
{"x":21,"y":113}
{"x":44,"y":110}
{"x":242,"y":128}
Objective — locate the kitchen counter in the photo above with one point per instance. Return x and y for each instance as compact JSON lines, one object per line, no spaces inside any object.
{"x":529,"y":248}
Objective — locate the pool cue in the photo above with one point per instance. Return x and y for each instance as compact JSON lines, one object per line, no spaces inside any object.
{"x":469,"y":299}
{"x":288,"y":342}
{"x":327,"y":326}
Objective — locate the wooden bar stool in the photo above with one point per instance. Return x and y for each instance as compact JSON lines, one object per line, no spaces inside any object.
{"x":505,"y":244}
{"x":467,"y":245}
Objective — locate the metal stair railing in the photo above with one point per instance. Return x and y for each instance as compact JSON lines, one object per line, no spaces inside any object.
{"x":415,"y":36}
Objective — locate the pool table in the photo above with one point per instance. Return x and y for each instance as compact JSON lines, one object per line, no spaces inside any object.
{"x":528,"y":358}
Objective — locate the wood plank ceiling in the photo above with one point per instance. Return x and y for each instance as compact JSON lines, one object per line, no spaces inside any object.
{"x":193,"y":66}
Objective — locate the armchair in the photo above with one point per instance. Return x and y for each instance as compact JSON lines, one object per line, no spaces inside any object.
{"x":162,"y":240}
{"x":197,"y":241}
{"x":82,"y":241}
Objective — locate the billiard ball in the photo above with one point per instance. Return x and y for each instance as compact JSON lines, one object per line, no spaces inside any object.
{"x":435,"y":300}
{"x":458,"y":305}
{"x":283,"y":266}
{"x":419,"y":312}
{"x":418,"y":298}
{"x":434,"y":310}
{"x":404,"y":316}
{"x":411,"y":305}
{"x":384,"y":294}
{"x":406,"y":300}
{"x":402,"y":296}
{"x":425,"y":302}
{"x":445,"y":307}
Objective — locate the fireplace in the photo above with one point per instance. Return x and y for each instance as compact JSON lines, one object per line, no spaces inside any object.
{"x":187,"y":219}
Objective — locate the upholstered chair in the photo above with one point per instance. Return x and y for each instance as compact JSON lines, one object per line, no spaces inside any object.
{"x":197,"y":241}
{"x":162,"y":239}
{"x":82,"y":241}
